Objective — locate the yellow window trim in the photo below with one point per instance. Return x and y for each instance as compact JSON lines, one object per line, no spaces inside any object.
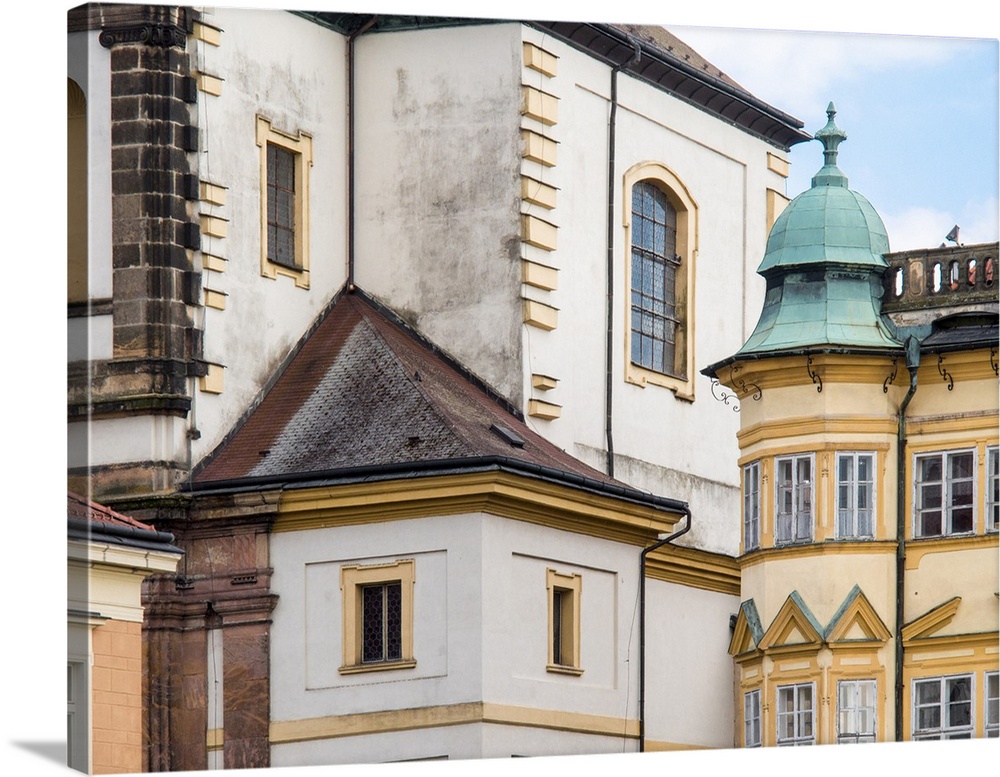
{"x":570,"y":586}
{"x":352,"y":579}
{"x":300,"y":145}
{"x":687,"y":249}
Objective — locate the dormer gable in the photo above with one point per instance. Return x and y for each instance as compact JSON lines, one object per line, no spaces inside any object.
{"x":793,"y":626}
{"x":747,"y":631}
{"x":932,"y":621}
{"x":856,"y":621}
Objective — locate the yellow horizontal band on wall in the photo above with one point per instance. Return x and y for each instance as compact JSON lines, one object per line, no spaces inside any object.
{"x":539,"y":59}
{"x":287,"y":731}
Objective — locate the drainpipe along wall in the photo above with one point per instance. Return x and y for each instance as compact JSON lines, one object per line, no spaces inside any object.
{"x":912,"y":363}
{"x":642,"y":621}
{"x":609,"y":339}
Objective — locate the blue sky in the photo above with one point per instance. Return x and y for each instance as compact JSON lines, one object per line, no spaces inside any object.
{"x":920,"y":115}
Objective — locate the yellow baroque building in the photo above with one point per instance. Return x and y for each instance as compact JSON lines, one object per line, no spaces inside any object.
{"x":869,"y":457}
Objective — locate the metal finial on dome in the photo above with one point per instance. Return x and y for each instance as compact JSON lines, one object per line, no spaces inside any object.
{"x":831,"y":136}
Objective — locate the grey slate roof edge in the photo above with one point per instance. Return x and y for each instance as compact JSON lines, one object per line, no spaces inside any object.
{"x":116,"y":534}
{"x":417,"y":469}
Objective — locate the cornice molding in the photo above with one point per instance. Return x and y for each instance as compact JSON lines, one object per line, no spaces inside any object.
{"x":155,"y":35}
{"x":694,"y":568}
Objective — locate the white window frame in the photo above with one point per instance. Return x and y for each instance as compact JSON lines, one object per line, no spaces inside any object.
{"x":751,"y":719}
{"x":848,"y":523}
{"x":991,"y":705}
{"x":992,"y":489}
{"x":802,"y":719}
{"x":857,"y":721}
{"x":797,"y":525}
{"x":946,"y":489}
{"x":944,"y":729}
{"x":751,"y":506}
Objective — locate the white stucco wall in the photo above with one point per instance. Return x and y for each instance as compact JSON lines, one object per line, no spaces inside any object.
{"x":293,"y":72}
{"x":438,"y":188}
{"x":480,"y":634}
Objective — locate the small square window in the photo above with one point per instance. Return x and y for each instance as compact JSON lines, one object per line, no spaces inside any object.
{"x":378,"y":616}
{"x":564,"y":622}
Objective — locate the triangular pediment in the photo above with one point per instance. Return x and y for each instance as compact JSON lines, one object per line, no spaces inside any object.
{"x":793,"y":625}
{"x":932,"y":621}
{"x":856,"y":621}
{"x":747,"y":631}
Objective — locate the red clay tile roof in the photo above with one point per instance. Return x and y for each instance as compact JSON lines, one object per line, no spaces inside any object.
{"x":81,"y":508}
{"x":366,"y":392}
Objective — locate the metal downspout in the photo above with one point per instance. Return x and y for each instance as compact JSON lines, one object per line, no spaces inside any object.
{"x":609,"y":334}
{"x":350,"y":148}
{"x":912,"y":363}
{"x":686,"y":511}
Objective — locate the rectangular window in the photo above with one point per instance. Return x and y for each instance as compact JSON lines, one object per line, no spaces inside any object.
{"x":377,"y":616}
{"x":992,"y":704}
{"x":793,"y":499}
{"x":751,"y":719}
{"x":751,"y":506}
{"x":944,"y":493}
{"x":942,"y":708}
{"x":856,"y":711}
{"x":564,"y":622}
{"x":795,"y":715}
{"x":993,"y":489}
{"x":280,"y":206}
{"x":285,"y":161}
{"x":855,"y":495}
{"x":382,"y":623}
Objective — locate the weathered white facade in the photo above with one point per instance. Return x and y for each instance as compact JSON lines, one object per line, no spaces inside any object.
{"x":458,"y":178}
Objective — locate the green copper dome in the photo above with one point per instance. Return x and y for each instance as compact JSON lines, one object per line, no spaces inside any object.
{"x":824,"y":266}
{"x":827,"y":223}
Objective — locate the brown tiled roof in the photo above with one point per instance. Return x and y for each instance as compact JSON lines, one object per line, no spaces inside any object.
{"x":670,"y":45}
{"x":364,"y":391}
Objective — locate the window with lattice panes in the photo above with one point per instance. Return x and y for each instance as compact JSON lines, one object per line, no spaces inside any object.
{"x":993,"y":489}
{"x":751,"y":506}
{"x":992,"y":705}
{"x":377,"y":616}
{"x":751,"y":719}
{"x":280,"y":205}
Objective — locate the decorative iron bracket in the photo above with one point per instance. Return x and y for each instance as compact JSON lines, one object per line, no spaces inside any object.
{"x":944,"y":373}
{"x":724,"y":398}
{"x":814,"y":375}
{"x":743,"y":387}
{"x":891,"y":378}
{"x":993,"y":361}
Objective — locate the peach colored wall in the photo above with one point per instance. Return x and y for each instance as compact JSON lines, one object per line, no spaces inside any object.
{"x":116,"y":682}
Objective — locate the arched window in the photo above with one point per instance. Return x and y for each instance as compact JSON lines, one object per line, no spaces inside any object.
{"x":655,"y":264}
{"x":660,"y":229}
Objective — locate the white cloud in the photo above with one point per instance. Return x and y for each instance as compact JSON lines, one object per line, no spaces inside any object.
{"x":922,"y":227}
